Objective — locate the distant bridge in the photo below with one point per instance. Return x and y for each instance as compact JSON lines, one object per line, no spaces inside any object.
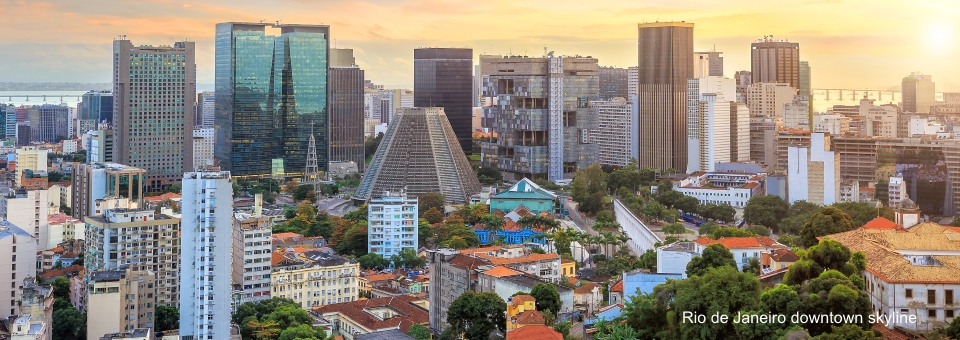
{"x":855,"y":94}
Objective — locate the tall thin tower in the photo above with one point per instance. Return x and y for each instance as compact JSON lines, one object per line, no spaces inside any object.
{"x":311,"y":174}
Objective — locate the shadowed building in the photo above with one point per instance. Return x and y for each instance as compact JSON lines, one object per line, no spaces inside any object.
{"x":346,"y":109}
{"x":775,"y":61}
{"x":443,"y":77}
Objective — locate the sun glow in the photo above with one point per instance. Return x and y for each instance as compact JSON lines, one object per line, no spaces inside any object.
{"x":941,"y":36}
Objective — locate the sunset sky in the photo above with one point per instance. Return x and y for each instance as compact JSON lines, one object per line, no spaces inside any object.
{"x":849,"y":43}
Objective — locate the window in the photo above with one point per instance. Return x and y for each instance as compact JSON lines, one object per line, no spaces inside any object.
{"x":949,"y":313}
{"x":909,"y":293}
{"x":931,"y":296}
{"x":931,"y":313}
{"x":948,"y":296}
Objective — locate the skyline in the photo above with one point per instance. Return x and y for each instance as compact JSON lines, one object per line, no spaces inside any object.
{"x":850,"y":44}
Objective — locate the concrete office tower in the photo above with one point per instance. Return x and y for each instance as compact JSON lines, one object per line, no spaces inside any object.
{"x":918,"y":93}
{"x":203,"y":144}
{"x":101,"y":147}
{"x":744,"y":79}
{"x":707,"y":64}
{"x":763,"y":138}
{"x":96,"y":106}
{"x":206,"y":255}
{"x":708,"y":122}
{"x":543,"y":120}
{"x":419,"y":153}
{"x":18,"y":257}
{"x":443,"y":77}
{"x":271,"y":95}
{"x":796,"y":113}
{"x":49,"y":123}
{"x":613,"y":83}
{"x":883,"y":120}
{"x":95,"y":183}
{"x":138,"y":238}
{"x":665,"y":63}
{"x":30,"y":158}
{"x":613,"y":137}
{"x":775,"y":61}
{"x":123,"y":300}
{"x":392,"y":224}
{"x":155,"y":90}
{"x":814,"y":172}
{"x":632,"y":77}
{"x":346,"y":109}
{"x":206,"y":109}
{"x":806,"y":87}
{"x":252,"y":241}
{"x":27,"y":209}
{"x":9,"y":118}
{"x":768,"y":99}
{"x":739,"y":132}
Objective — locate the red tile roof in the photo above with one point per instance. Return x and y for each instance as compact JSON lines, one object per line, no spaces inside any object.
{"x":586,"y":289}
{"x":534,"y":332}
{"x":617,"y":287}
{"x":60,"y":218}
{"x":880,"y":223}
{"x":519,"y":299}
{"x":739,"y":242}
{"x":572,"y":280}
{"x":784,"y":255}
{"x":164,"y":197}
{"x":533,"y":257}
{"x":409,"y":313}
{"x":468,"y":262}
{"x":530,"y":317}
{"x":500,"y":271}
{"x":379,"y":277}
{"x":74,"y":269}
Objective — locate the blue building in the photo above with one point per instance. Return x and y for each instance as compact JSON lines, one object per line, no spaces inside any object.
{"x":526,"y":193}
{"x":512,"y":233}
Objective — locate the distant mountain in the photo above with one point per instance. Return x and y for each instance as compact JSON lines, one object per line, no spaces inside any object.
{"x":4,"y":86}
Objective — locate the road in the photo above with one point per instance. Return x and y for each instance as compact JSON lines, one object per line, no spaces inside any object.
{"x":334,"y":206}
{"x":583,"y":222}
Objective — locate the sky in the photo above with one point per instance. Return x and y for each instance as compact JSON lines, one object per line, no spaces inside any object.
{"x":850,"y":44}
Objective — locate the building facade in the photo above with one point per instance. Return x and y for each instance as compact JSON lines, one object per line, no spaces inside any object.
{"x":154,"y":90}
{"x":775,"y":61}
{"x":918,"y":93}
{"x":30,"y":158}
{"x":98,"y":181}
{"x":252,"y":250}
{"x":768,"y":99}
{"x":614,"y":135}
{"x":27,"y":209}
{"x":346,"y":113}
{"x":665,"y":63}
{"x":392,"y":224}
{"x":708,"y":122}
{"x":123,"y":301}
{"x":18,"y":257}
{"x":315,"y":278}
{"x":206,"y":244}
{"x":443,"y":77}
{"x":203,"y":142}
{"x":731,"y":188}
{"x":49,"y":123}
{"x":707,"y":64}
{"x":814,"y":173}
{"x":271,"y":96}
{"x":613,"y":83}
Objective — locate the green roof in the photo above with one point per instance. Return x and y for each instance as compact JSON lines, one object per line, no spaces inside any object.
{"x":526,"y":189}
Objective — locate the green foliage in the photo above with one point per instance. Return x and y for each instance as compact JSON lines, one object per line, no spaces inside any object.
{"x":538,"y":250}
{"x":765,"y":210}
{"x":168,"y":318}
{"x":256,"y":311}
{"x":430,"y":200}
{"x":489,"y":176}
{"x":477,"y":315}
{"x":802,"y":271}
{"x":955,"y":221}
{"x":645,"y":315}
{"x":56,"y":176}
{"x":752,"y":266}
{"x":303,"y":331}
{"x":649,"y":260}
{"x":614,"y":330}
{"x":787,"y":240}
{"x":723,"y":290}
{"x":828,"y":221}
{"x":759,"y":230}
{"x":419,"y":332}
{"x":847,"y":332}
{"x":654,"y":211}
{"x":719,"y":212}
{"x":953,"y":331}
{"x":669,"y":198}
{"x":714,"y":256}
{"x":688,"y":204}
{"x":407,"y":259}
{"x":563,"y":328}
{"x":674,"y":229}
{"x":61,"y":288}
{"x":434,"y":216}
{"x":829,"y":254}
{"x":561,"y":241}
{"x":859,"y":261}
{"x":305,"y":193}
{"x":730,"y":232}
{"x":861,"y":213}
{"x":589,"y":188}
{"x":605,"y":216}
{"x":833,"y":292}
{"x":373,"y":261}
{"x":371,"y":144}
{"x":69,"y":324}
{"x":547,"y":297}
{"x":707,"y":228}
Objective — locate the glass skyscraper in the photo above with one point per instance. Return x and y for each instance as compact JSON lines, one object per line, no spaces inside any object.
{"x":271,"y":92}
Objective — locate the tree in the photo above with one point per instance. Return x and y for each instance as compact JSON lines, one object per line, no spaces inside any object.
{"x":688,"y":204}
{"x":956,"y":223}
{"x":419,"y":332}
{"x":669,"y":198}
{"x":828,"y":221}
{"x":488,"y":176}
{"x":289,"y":315}
{"x":268,"y":329}
{"x":371,"y":144}
{"x":674,"y":229}
{"x":605,"y":216}
{"x":407,"y":259}
{"x":303,"y":331}
{"x":493,"y":224}
{"x":61,"y":288}
{"x":628,"y":177}
{"x":548,"y":299}
{"x":477,"y":315}
{"x":833,"y":292}
{"x":69,"y":324}
{"x":848,"y":332}
{"x":373,"y":261}
{"x":538,"y":222}
{"x":730,"y":232}
{"x":752,"y":266}
{"x":644,"y":314}
{"x":168,"y":318}
{"x":654,"y":210}
{"x":861,"y":213}
{"x":589,"y":188}
{"x":715,"y":255}
{"x":707,"y":228}
{"x":829,"y":254}
{"x":802,"y":207}
{"x":430,"y":200}
{"x":455,"y":242}
{"x":433,"y":215}
{"x":723,"y":290}
{"x":258,"y":311}
{"x":953,"y":331}
{"x":759,"y":230}
{"x":765,"y":210}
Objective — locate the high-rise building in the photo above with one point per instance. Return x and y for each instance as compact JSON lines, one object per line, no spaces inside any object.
{"x":271,"y":95}
{"x":796,"y":113}
{"x":93,"y":183}
{"x":96,"y":106}
{"x":632,"y":78}
{"x":775,"y":61}
{"x":101,"y":147}
{"x":805,"y":88}
{"x":763,"y":137}
{"x":155,"y":90}
{"x":665,"y":63}
{"x":140,"y":239}
{"x":613,"y":137}
{"x":27,"y":209}
{"x":708,"y":122}
{"x":443,"y":77}
{"x":205,"y":253}
{"x":883,"y":120}
{"x":9,"y":117}
{"x":744,"y":79}
{"x":30,"y":158}
{"x":419,"y":154}
{"x":918,"y":93}
{"x":707,"y":64}
{"x":739,"y":132}
{"x":252,"y":256}
{"x":206,"y":109}
{"x":203,"y":144}
{"x":49,"y":122}
{"x":543,"y":118}
{"x":18,"y":257}
{"x":346,"y":109}
{"x":392,"y":224}
{"x":768,"y":99}
{"x":614,"y":83}
{"x":814,"y":173}
{"x":122,"y":299}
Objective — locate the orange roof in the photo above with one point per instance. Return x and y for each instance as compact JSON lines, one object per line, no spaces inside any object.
{"x":73,"y":269}
{"x":617,"y":287}
{"x":519,"y":299}
{"x":750,"y":185}
{"x":530,"y":317}
{"x":739,"y":242}
{"x":566,"y":261}
{"x":501,"y":271}
{"x":534,"y":332}
{"x":471,"y":251}
{"x":784,"y":255}
{"x":164,"y":197}
{"x":572,"y":280}
{"x":586,"y":289}
{"x":880,"y":223}
{"x":529,"y":258}
{"x":952,"y":228}
{"x":59,"y":218}
{"x":379,"y":277}
{"x":499,"y":213}
{"x":277,"y":257}
{"x":285,"y":235}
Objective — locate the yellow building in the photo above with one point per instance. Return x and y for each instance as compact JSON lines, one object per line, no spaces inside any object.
{"x":568,"y":268}
{"x":314,"y":278}
{"x":522,"y":311}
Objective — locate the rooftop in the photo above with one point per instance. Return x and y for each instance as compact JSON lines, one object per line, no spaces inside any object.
{"x":406,"y":312}
{"x":740,"y":242}
{"x":517,"y":300}
{"x":687,"y":247}
{"x":530,"y":317}
{"x":908,"y":256}
{"x":526,"y":189}
{"x":534,"y":332}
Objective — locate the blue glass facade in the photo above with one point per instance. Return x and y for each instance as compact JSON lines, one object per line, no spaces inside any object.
{"x":271,"y":92}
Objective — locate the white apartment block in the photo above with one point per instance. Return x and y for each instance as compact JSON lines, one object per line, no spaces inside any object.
{"x":139,"y":239}
{"x":813,"y":172}
{"x":30,"y":157}
{"x":733,"y":188}
{"x":924,"y":126}
{"x":879,"y":120}
{"x":27,"y":209}
{"x":614,"y":135}
{"x":205,"y":255}
{"x":896,"y":191}
{"x":18,"y":260}
{"x":768,"y":99}
{"x":252,"y":242}
{"x":315,"y":278}
{"x":739,"y":132}
{"x":203,"y":146}
{"x":633,"y":76}
{"x":708,"y":122}
{"x":834,"y":124}
{"x":392,"y":223}
{"x":796,"y":114}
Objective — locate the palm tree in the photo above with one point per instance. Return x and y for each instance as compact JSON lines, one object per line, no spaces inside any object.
{"x":493,"y":224}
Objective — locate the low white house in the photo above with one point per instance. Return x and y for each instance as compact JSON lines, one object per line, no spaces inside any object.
{"x":743,"y":248}
{"x":733,"y":188}
{"x":673,"y":258}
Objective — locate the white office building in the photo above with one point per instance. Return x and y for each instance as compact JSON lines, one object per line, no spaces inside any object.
{"x":614,"y":137}
{"x":205,"y":255}
{"x":813,"y":173}
{"x":203,"y":147}
{"x":27,"y":209}
{"x":834,"y":124}
{"x":392,"y":224}
{"x":796,"y":114}
{"x":708,"y":122}
{"x":768,"y":99}
{"x":18,"y":258}
{"x":732,"y":188}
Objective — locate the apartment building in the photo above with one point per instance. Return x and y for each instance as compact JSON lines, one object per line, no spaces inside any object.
{"x":122,"y":299}
{"x":105,"y":181}
{"x":18,"y":252}
{"x":392,"y":223}
{"x":252,"y":252}
{"x":314,"y":278}
{"x":27,"y":209}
